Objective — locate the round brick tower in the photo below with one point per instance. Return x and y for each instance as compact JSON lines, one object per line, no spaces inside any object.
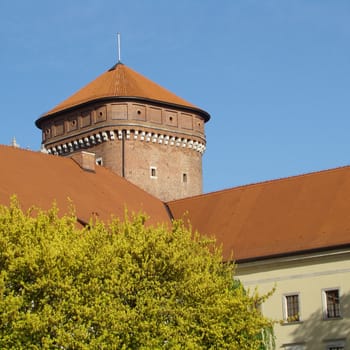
{"x":136,"y":128}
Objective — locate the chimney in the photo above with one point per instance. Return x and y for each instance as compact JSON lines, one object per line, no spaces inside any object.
{"x":86,"y":160}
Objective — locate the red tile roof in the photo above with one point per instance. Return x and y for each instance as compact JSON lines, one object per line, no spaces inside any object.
{"x":40,"y":179}
{"x":284,"y":216}
{"x":296,"y":214}
{"x":122,"y":81}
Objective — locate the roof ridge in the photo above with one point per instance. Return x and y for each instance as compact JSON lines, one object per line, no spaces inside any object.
{"x":261,"y":183}
{"x":19,"y":148}
{"x":38,"y":153}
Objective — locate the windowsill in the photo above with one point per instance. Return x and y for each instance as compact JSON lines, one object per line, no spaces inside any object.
{"x":286,"y":323}
{"x":332,"y":318}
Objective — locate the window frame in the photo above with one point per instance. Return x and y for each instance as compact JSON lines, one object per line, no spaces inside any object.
{"x":325,"y":305}
{"x":296,"y":346}
{"x":287,"y":319}
{"x":99,"y":161}
{"x":151,"y":170}
{"x":335,"y":345}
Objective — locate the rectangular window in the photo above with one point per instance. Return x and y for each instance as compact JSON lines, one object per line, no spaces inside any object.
{"x":331,"y":303}
{"x":153,"y":172}
{"x":336,"y":345}
{"x":291,"y":308}
{"x":184,"y":177}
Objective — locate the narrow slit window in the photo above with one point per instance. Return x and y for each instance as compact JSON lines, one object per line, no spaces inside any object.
{"x":153,"y":172}
{"x":184,"y":178}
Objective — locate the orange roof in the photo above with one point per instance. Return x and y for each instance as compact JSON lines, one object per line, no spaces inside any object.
{"x":121,"y":81}
{"x":40,"y":179}
{"x":284,"y":216}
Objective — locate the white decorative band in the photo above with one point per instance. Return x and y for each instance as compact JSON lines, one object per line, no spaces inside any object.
{"x":144,"y":136}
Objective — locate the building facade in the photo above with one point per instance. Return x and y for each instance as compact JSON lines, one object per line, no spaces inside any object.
{"x":311,"y":301}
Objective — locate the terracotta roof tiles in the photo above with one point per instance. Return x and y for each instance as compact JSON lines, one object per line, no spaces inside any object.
{"x":121,"y":81}
{"x":284,"y":216}
{"x":39,"y":179}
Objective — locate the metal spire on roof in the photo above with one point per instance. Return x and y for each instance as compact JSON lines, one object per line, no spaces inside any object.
{"x":118,"y":41}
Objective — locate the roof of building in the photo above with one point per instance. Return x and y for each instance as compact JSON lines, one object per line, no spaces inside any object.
{"x":121,"y":82}
{"x":285,"y":216}
{"x":274,"y":218}
{"x":40,"y":179}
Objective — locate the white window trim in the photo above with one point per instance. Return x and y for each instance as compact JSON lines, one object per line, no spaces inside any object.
{"x":294,"y":346}
{"x":285,"y":309}
{"x":99,"y":161}
{"x":335,"y":344}
{"x":151,"y":170}
{"x":324,"y":303}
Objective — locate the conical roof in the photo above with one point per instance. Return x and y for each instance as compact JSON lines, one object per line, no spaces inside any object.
{"x":123,"y":82}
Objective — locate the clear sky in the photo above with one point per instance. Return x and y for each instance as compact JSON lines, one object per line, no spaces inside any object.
{"x":273,"y":74}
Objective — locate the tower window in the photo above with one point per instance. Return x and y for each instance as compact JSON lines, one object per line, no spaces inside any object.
{"x":99,"y":161}
{"x":184,"y":178}
{"x":153,"y":172}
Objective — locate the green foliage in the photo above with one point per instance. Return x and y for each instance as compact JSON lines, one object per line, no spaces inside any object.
{"x":118,"y":286}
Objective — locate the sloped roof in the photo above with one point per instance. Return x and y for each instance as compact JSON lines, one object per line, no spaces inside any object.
{"x":121,"y":82}
{"x":285,"y":216}
{"x":272,"y":218}
{"x":40,"y":179}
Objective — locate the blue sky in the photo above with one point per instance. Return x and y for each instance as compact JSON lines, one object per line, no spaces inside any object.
{"x":273,"y":74}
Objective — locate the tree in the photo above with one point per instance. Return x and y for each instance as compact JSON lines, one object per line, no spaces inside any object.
{"x":122,"y":285}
